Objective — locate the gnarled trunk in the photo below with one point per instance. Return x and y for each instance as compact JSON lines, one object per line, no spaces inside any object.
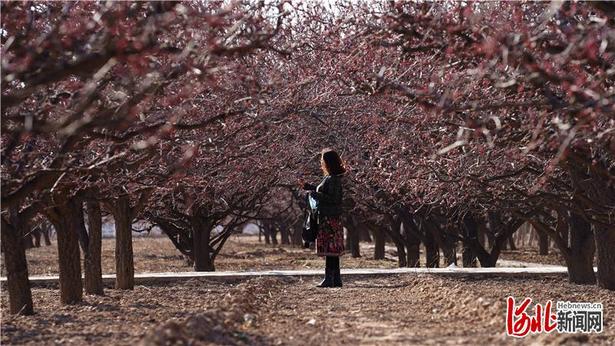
{"x":592,"y":177}
{"x":284,"y":234}
{"x":352,"y":236}
{"x":470,"y":229}
{"x":263,"y":229}
{"x":93,"y":270}
{"x":65,"y":218}
{"x":273,"y":232}
{"x":581,"y":255}
{"x":46,"y":232}
{"x":413,"y":247}
{"x":124,"y":265}
{"x":411,"y":237}
{"x":401,"y":254}
{"x":20,"y":295}
{"x":543,"y":243}
{"x":296,"y":233}
{"x":450,"y":253}
{"x":378,"y":236}
{"x":36,"y":233}
{"x":605,"y":246}
{"x":201,"y":233}
{"x":363,"y":231}
{"x":394,"y":231}
{"x":432,"y":252}
{"x":26,"y":239}
{"x":503,"y":231}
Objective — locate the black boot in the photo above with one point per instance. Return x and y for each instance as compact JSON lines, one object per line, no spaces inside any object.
{"x":337,"y":277}
{"x":328,"y":280}
{"x":329,"y":274}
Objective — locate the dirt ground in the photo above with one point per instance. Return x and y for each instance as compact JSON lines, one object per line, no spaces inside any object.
{"x":405,"y":309}
{"x":531,"y":255}
{"x":241,"y":253}
{"x":394,"y":310}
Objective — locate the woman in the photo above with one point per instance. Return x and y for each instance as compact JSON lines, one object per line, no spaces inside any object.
{"x":328,"y":194}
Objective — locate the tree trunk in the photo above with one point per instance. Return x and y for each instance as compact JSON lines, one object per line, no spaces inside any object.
{"x":201,"y":232}
{"x":432,"y":252}
{"x":266,"y":234}
{"x":591,"y":175}
{"x":490,"y":238}
{"x":411,"y":238}
{"x":605,"y":246}
{"x":504,"y":230}
{"x":20,"y":295}
{"x":394,"y":232}
{"x":470,"y":228}
{"x":482,"y":237}
{"x":352,"y":237}
{"x":36,"y":233}
{"x":66,"y":222}
{"x":26,"y":239}
{"x":581,"y":255}
{"x":46,"y":229}
{"x":401,"y":254}
{"x":93,"y":270}
{"x":84,"y":238}
{"x":413,"y":246}
{"x":378,"y":235}
{"x":347,"y":240}
{"x":448,"y":244}
{"x":413,"y":251}
{"x":450,"y":253}
{"x":285,"y":235}
{"x":274,"y":235}
{"x":124,"y":265}
{"x":363,"y":232}
{"x":468,"y":257}
{"x":296,"y":233}
{"x":543,"y":243}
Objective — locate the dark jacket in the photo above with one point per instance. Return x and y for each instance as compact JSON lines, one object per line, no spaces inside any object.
{"x":329,"y":196}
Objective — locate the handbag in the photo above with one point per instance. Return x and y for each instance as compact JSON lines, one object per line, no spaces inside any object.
{"x":310,"y":227}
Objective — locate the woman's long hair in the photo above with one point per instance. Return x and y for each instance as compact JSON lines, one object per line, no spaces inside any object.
{"x":331,"y":162}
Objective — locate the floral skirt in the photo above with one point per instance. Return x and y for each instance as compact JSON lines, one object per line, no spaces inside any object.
{"x":330,"y":239}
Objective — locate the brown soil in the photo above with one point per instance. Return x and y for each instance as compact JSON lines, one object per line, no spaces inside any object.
{"x":531,"y":255}
{"x":241,"y":253}
{"x":402,"y":310}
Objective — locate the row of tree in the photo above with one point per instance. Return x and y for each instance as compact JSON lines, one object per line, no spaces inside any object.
{"x":132,"y":109}
{"x":464,"y":119}
{"x":456,"y":120}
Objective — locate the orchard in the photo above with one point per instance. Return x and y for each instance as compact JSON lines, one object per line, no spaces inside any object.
{"x":468,"y":130}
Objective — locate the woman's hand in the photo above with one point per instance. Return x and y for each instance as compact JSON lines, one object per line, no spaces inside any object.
{"x":306,"y":186}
